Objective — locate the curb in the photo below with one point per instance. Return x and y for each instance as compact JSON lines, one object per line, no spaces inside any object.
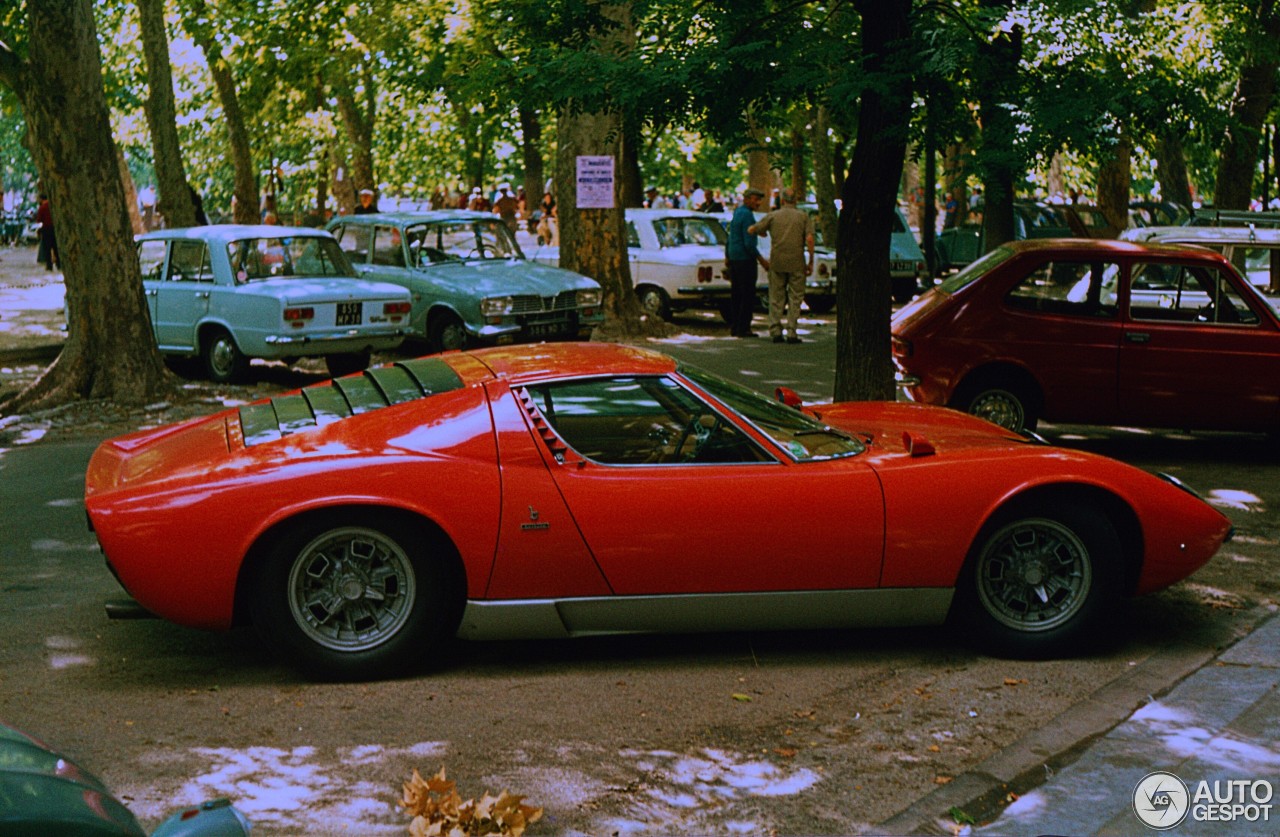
{"x":1033,"y":759}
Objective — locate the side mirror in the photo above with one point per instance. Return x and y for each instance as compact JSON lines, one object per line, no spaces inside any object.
{"x":788,"y":396}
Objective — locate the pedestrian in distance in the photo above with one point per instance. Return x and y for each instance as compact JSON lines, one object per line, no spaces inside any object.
{"x":48,"y":242}
{"x":506,"y":206}
{"x":367,"y":205}
{"x":741,"y":255}
{"x":792,"y":236}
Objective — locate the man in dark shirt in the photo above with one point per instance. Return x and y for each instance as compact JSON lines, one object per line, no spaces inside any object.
{"x":741,"y":257}
{"x":367,"y":206}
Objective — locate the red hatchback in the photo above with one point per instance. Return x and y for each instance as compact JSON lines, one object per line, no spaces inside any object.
{"x":1095,"y":332}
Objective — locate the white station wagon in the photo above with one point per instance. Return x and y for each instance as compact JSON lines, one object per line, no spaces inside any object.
{"x":228,"y":293}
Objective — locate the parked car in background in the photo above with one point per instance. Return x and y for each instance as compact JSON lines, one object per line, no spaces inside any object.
{"x":1095,"y":332}
{"x":469,"y":279}
{"x":907,"y":267}
{"x":960,"y":245}
{"x":526,"y":493}
{"x":1254,"y":251}
{"x":676,"y":258}
{"x":44,"y":792}
{"x":228,"y":293}
{"x":1211,"y":217}
{"x":1155,"y":213}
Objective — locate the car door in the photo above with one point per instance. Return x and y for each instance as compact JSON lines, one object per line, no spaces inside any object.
{"x":152,"y":254}
{"x":1198,"y":352}
{"x":182,"y":299}
{"x":1061,"y":322}
{"x":675,"y":496}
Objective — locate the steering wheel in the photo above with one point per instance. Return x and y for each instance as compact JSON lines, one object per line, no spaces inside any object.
{"x":700,"y":432}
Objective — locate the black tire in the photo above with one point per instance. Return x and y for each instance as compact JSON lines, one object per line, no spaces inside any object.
{"x":820,"y":304}
{"x":355,"y":596}
{"x":223,"y":361}
{"x":1000,"y":402}
{"x":446,"y":332}
{"x":347,"y":363}
{"x":1042,"y":580}
{"x":653,"y":301}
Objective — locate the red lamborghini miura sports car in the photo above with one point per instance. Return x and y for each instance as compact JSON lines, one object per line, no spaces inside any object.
{"x":562,"y":490}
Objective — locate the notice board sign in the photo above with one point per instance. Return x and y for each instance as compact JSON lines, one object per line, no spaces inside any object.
{"x":595,"y":182}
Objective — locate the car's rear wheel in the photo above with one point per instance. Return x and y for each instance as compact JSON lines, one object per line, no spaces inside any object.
{"x":446,"y":332}
{"x":356,"y":596}
{"x":653,"y":301}
{"x":347,"y":363}
{"x":1042,"y":579}
{"x":1002,"y":402}
{"x":223,"y":360}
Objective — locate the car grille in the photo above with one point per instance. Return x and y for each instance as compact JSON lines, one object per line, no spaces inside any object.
{"x":530,"y":304}
{"x":321,"y":404}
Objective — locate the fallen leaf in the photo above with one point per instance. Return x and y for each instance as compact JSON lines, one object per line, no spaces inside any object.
{"x":934,"y":748}
{"x":786,"y":752}
{"x":941,"y":780}
{"x":740,"y":697}
{"x":1010,"y":681}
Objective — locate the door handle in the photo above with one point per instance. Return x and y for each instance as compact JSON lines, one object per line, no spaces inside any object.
{"x":1137,"y":337}
{"x":152,"y":292}
{"x":202,"y":295}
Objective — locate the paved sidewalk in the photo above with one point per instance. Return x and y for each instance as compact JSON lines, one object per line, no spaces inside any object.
{"x":1219,"y":725}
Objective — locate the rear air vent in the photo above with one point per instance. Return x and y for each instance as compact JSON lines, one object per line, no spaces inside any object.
{"x":340,"y":398}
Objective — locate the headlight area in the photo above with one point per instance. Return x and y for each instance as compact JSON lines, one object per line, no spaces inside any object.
{"x":493,"y":308}
{"x":589,"y":297}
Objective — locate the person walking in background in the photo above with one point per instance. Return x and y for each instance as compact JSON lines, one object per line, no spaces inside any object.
{"x":741,"y":255}
{"x":506,"y":206}
{"x":788,"y":268}
{"x":48,"y":242}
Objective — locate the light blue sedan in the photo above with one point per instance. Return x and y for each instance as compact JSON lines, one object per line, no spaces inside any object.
{"x":471,"y":283}
{"x":227,"y":293}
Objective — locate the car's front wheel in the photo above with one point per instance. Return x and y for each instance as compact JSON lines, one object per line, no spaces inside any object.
{"x":223,"y":360}
{"x":999,"y":401}
{"x":446,"y":332}
{"x":354,"y":596}
{"x":1042,"y":579}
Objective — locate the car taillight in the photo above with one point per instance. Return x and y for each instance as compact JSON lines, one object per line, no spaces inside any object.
{"x":296,"y":315}
{"x":704,"y":273}
{"x":901,"y":348}
{"x":396,"y":307}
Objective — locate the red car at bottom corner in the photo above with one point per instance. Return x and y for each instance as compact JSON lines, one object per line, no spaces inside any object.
{"x":558,"y":490}
{"x":1089,"y":331}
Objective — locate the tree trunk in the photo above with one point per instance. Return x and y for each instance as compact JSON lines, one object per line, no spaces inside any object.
{"x":1175,"y":185}
{"x":175,"y":200}
{"x":244,"y":193}
{"x":1238,"y":157}
{"x":759,"y":175}
{"x":799,"y":186}
{"x":531,"y":152}
{"x":632,"y":193}
{"x":997,"y":73}
{"x":130,"y":194}
{"x":110,"y":352}
{"x":824,"y":184}
{"x":359,"y":126}
{"x":864,"y":367}
{"x":1113,"y":187}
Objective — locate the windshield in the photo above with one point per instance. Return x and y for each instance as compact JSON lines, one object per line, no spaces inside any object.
{"x":254,"y":259}
{"x":799,"y":434}
{"x":682,"y":232}
{"x":975,"y":269}
{"x":463,"y":239}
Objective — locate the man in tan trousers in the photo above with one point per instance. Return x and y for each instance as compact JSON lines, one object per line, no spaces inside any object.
{"x":792,"y":235}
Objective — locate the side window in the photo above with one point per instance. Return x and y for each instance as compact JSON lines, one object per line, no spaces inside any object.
{"x":151,"y":259}
{"x":641,"y":421}
{"x":1075,"y":289}
{"x":1262,"y":267}
{"x":190,"y":262}
{"x":1196,"y":294}
{"x":387,"y":249}
{"x":633,"y":237}
{"x":354,"y":241}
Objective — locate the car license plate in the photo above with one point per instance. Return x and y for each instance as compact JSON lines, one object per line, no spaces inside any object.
{"x":547,"y":329}
{"x":349,"y":313}
{"x":902,"y":267}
